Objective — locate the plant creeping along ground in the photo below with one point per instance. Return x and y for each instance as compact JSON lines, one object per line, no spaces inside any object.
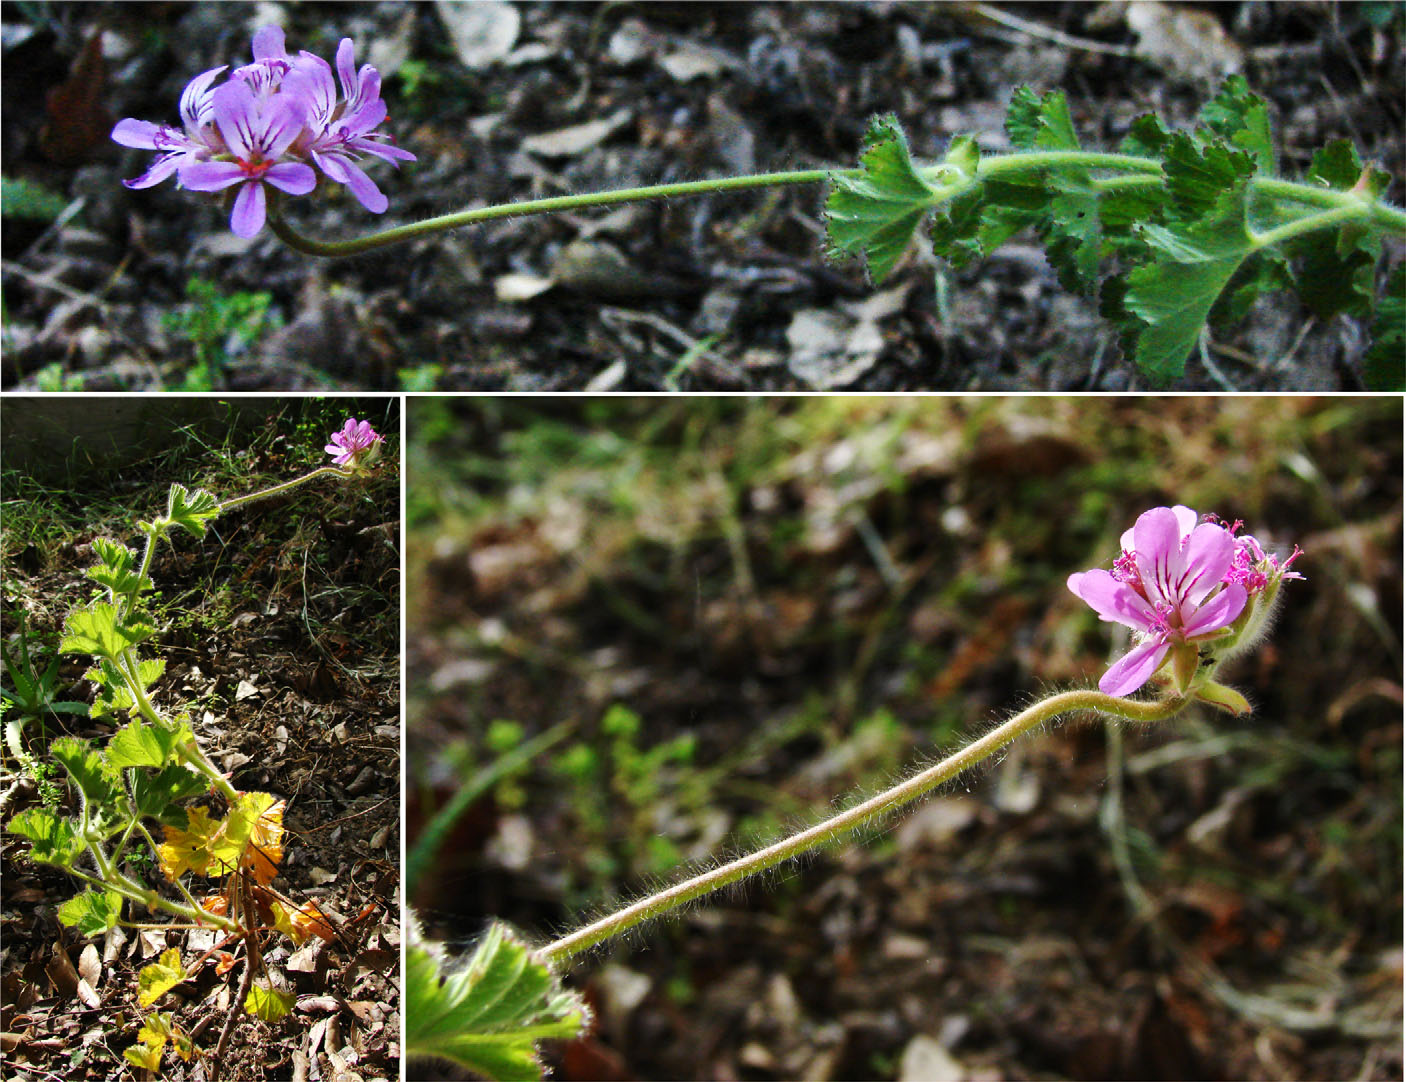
{"x":1172,"y":231}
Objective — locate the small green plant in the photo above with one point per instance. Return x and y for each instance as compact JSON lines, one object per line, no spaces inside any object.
{"x":146,"y":775}
{"x":217,"y":326}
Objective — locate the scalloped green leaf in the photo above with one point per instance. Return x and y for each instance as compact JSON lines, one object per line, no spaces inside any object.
{"x":1384,"y":363}
{"x":1173,"y":295}
{"x":154,"y":794}
{"x":144,"y":744}
{"x":53,"y":840}
{"x":1036,"y":123}
{"x":1242,"y":119}
{"x":98,"y":630}
{"x":92,"y":912}
{"x":875,"y":214}
{"x":113,"y":694}
{"x":116,"y":569}
{"x":486,"y":1014}
{"x":91,"y":772}
{"x":1197,"y":176}
{"x":191,"y":509}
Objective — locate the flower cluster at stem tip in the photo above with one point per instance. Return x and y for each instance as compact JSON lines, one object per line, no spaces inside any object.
{"x":270,"y":122}
{"x":1194,"y":593}
{"x":355,"y":445}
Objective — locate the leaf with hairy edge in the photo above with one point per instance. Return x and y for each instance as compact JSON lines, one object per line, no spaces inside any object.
{"x":486,"y":1014}
{"x":116,"y":569}
{"x":1035,"y":123}
{"x":91,"y":772}
{"x":875,"y":214}
{"x":190,"y":510}
{"x":1173,"y":295}
{"x":155,"y":980}
{"x":92,"y":913}
{"x":153,"y":794}
{"x":113,"y":693}
{"x":97,"y":630}
{"x":1197,"y":176}
{"x":1384,"y":364}
{"x":53,"y":839}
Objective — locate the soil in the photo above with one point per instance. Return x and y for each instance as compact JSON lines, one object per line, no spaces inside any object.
{"x":281,"y":633}
{"x":814,"y":624}
{"x":719,"y":293}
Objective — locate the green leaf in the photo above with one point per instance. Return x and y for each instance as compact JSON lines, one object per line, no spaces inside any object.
{"x":144,"y":744}
{"x":1035,"y":123}
{"x":53,"y":840}
{"x":1146,"y":137}
{"x":92,"y":913}
{"x":1336,"y":165}
{"x":113,"y":694}
{"x":116,"y":568}
{"x":875,"y":214}
{"x":153,"y":794}
{"x":486,"y":1014}
{"x":1197,"y":176}
{"x":1073,"y":233}
{"x":91,"y":772}
{"x":1174,"y":294}
{"x":190,"y":510}
{"x":97,"y":630}
{"x":1384,"y":364}
{"x":1242,"y":119}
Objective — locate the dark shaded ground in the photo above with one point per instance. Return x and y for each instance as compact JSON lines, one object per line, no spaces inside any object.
{"x":298,"y":599}
{"x":797,"y":599}
{"x":682,"y":92}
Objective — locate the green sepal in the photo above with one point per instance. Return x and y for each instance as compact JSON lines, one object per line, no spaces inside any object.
{"x":190,"y":510}
{"x":1224,"y":698}
{"x":875,"y":214}
{"x":1384,"y":363}
{"x":486,"y":1014}
{"x":53,"y":840}
{"x":92,"y":912}
{"x":144,"y":744}
{"x":98,"y":630}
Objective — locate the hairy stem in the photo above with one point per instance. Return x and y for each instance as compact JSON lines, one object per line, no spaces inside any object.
{"x":824,"y":833}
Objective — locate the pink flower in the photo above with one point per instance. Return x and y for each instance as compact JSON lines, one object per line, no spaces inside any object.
{"x":198,"y":141}
{"x":354,"y":443}
{"x":1172,"y":585}
{"x":257,"y":135}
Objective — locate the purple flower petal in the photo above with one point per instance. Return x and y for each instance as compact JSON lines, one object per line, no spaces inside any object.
{"x":210,"y":176}
{"x":1218,"y":612}
{"x":237,"y":114}
{"x":196,"y":107}
{"x":160,"y":169}
{"x":1133,"y":669}
{"x":269,"y":43}
{"x":1210,"y":550}
{"x":343,"y":171}
{"x":136,"y":133}
{"x":295,"y":178}
{"x":249,"y":208}
{"x":1114,"y":601}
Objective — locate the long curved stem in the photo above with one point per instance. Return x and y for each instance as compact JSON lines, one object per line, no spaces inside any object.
{"x":1381,"y":215}
{"x":837,"y":826}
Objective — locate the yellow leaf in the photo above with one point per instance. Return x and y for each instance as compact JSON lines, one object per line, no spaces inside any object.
{"x":190,"y":849}
{"x":265,"y":848}
{"x":269,"y":1003}
{"x":156,"y":1030}
{"x":160,"y":977}
{"x":214,"y":847}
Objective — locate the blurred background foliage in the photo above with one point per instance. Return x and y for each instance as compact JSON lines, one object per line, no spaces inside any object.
{"x":719,"y":616}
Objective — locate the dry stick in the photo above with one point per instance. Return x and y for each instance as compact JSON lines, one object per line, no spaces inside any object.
{"x":253,"y":959}
{"x":831,"y":829}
